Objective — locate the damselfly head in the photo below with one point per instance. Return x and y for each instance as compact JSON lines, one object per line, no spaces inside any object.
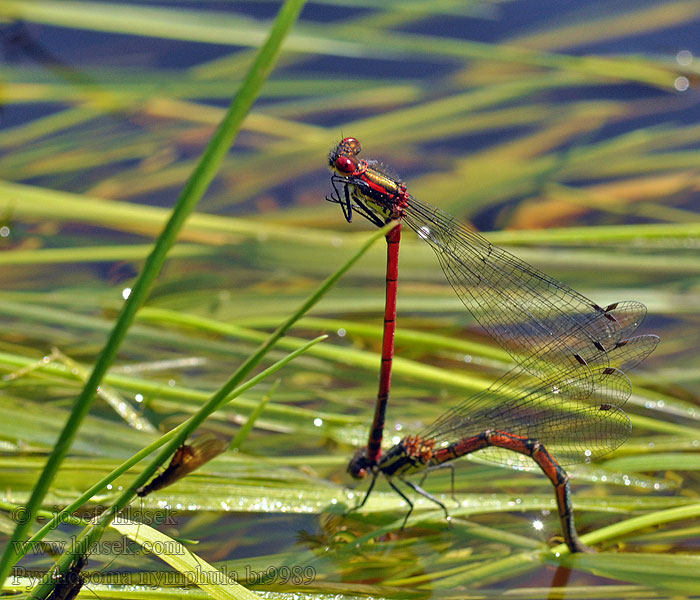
{"x":359,"y":466}
{"x":342,"y":158}
{"x":345,"y":165}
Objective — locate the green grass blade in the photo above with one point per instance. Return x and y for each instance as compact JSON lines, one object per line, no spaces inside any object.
{"x":59,"y":517}
{"x":191,"y":194}
{"x":247,"y":427}
{"x":214,"y":403}
{"x":192,"y":567}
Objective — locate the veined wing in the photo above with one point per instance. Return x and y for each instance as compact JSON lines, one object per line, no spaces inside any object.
{"x":546,"y":326}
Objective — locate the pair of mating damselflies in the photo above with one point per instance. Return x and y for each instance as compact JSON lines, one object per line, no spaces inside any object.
{"x":564,"y":398}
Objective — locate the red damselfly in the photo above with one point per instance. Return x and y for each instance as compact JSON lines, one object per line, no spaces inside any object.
{"x":555,"y":334}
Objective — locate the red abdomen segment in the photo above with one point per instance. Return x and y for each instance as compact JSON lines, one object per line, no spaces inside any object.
{"x":529,"y":447}
{"x":374,"y":445}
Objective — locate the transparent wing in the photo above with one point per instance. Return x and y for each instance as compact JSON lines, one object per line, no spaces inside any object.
{"x":573,"y":426}
{"x":546,"y":326}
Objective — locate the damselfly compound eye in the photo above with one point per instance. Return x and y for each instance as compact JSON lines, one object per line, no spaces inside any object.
{"x":345,"y":165}
{"x":350,"y":145}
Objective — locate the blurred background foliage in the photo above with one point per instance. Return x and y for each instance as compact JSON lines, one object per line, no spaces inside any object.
{"x":570,"y":132}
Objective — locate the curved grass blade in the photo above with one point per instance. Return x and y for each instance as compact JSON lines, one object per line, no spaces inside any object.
{"x":192,"y":567}
{"x":195,"y":188}
{"x":177,"y":436}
